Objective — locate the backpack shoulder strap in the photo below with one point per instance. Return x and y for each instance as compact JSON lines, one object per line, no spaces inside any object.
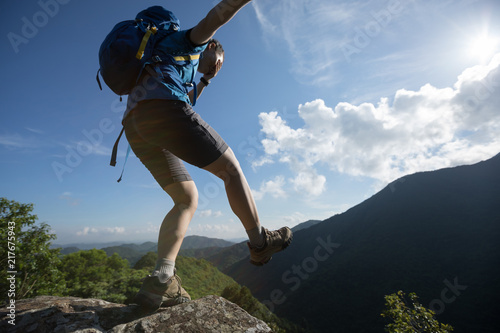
{"x":115,"y":148}
{"x":124,"y":163}
{"x":115,"y":152}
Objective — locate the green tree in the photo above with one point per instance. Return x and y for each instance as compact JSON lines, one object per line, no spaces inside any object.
{"x":243,"y":297}
{"x":409,"y":316}
{"x":25,"y":249}
{"x":92,"y":274}
{"x":148,"y":261}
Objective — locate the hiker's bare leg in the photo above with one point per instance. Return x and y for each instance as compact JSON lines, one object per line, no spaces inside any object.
{"x":174,"y":226}
{"x":238,"y":192}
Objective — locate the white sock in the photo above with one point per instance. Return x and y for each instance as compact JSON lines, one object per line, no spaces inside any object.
{"x":164,"y":269}
{"x":256,"y":236}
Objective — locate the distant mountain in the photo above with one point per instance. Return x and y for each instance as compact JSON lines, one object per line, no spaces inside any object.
{"x":86,"y":246}
{"x":198,"y":242}
{"x":68,"y":250}
{"x":192,"y":246}
{"x":305,"y":225}
{"x":133,"y":252}
{"x":144,"y":247}
{"x":223,"y":258}
{"x":433,"y":233}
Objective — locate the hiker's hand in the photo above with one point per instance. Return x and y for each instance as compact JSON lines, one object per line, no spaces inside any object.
{"x":213,"y":71}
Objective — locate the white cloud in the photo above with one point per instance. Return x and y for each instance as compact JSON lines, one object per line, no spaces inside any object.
{"x":86,"y":231}
{"x":421,"y":130}
{"x":316,"y":32}
{"x":292,"y":21}
{"x":35,"y":130}
{"x":223,"y":231}
{"x":114,"y":230}
{"x":85,"y":147}
{"x":294,"y":219}
{"x":16,"y":141}
{"x":309,"y":182}
{"x":210,"y":213}
{"x":263,"y":160}
{"x":97,"y":231}
{"x":70,"y":199}
{"x":273,"y":187}
{"x":149,"y":228}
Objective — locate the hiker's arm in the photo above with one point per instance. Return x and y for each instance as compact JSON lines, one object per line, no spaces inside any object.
{"x":222,"y":13}
{"x":201,"y":86}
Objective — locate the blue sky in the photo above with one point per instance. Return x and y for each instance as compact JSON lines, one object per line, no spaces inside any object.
{"x":324,"y":103}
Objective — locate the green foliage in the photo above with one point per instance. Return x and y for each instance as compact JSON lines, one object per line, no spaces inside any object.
{"x":243,"y":298}
{"x":92,"y":274}
{"x":27,"y":247}
{"x":95,"y":274}
{"x":148,"y":261}
{"x":125,"y":252}
{"x":409,"y":316}
{"x":200,"y":278}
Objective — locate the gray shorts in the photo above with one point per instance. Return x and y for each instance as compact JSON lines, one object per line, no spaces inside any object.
{"x":163,"y":133}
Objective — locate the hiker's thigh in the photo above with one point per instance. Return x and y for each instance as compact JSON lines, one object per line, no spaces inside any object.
{"x":165,"y":167}
{"x":174,"y":126}
{"x":226,"y":166}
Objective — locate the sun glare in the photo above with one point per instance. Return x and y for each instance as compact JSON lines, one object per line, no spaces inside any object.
{"x":482,"y":47}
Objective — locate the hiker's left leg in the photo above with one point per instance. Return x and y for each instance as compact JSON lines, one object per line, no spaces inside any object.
{"x":239,"y":195}
{"x":263,"y":243}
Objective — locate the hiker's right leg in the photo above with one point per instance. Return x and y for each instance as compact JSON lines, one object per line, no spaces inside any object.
{"x":185,"y":197}
{"x":162,"y":133}
{"x":163,"y":287}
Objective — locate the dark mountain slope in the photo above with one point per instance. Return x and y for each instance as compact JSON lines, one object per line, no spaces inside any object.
{"x":434,"y":233}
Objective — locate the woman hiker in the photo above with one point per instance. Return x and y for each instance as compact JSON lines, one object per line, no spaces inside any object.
{"x":163,"y":130}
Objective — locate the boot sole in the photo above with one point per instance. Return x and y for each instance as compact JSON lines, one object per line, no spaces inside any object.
{"x":176,"y":301}
{"x":153,"y":301}
{"x":148,"y":301}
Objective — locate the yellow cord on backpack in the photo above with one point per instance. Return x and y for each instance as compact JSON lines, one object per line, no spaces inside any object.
{"x":144,"y":42}
{"x":187,"y":57}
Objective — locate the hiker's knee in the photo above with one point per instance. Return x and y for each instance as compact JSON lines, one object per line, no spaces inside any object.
{"x":184,"y":195}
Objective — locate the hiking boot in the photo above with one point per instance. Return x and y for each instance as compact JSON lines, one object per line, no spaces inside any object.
{"x":154,"y":294}
{"x":274,"y":241}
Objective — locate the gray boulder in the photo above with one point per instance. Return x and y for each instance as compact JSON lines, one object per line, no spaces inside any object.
{"x":50,"y":314}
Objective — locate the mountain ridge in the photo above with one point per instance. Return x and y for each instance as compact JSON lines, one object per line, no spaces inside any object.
{"x":220,"y":252}
{"x":422,"y":233}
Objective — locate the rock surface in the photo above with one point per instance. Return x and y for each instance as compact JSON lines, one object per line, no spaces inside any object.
{"x":50,"y":314}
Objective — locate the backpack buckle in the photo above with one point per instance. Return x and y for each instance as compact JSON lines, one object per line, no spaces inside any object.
{"x":156,"y":58}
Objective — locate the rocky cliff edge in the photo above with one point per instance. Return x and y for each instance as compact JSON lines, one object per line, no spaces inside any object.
{"x":50,"y":314}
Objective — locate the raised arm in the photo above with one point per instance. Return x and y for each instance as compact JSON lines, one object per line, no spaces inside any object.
{"x":222,"y":13}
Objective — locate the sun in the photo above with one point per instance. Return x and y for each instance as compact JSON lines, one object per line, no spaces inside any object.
{"x":483,"y":46}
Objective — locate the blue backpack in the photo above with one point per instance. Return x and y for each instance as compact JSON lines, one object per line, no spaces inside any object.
{"x":128,"y":48}
{"x":130,"y":45}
